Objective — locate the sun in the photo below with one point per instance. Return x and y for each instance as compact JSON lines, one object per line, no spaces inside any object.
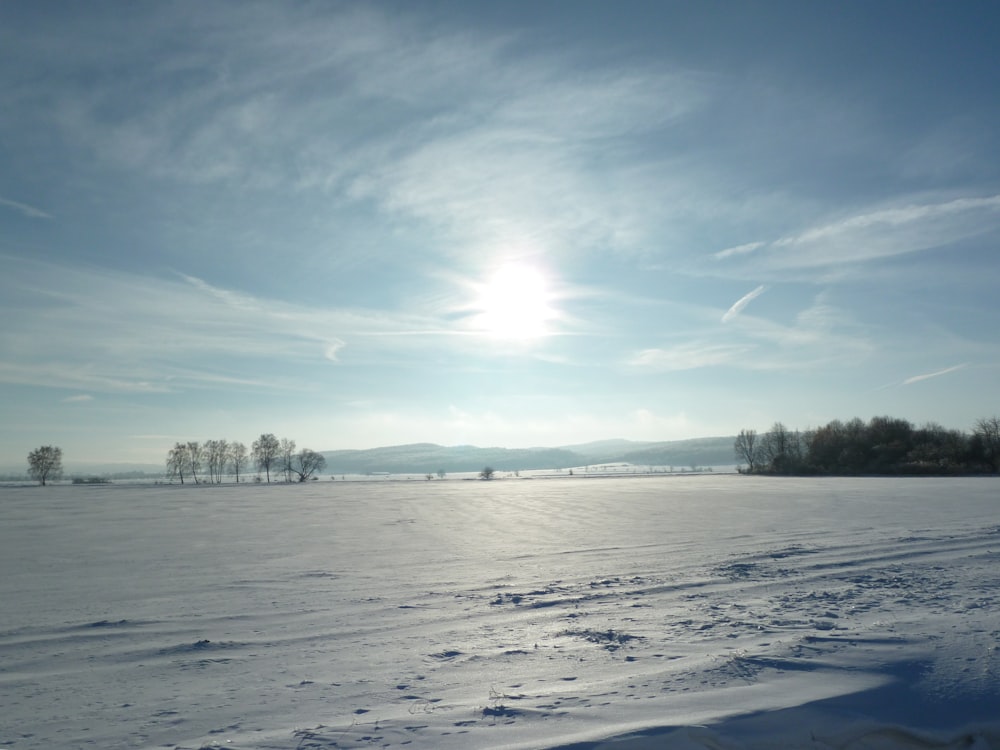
{"x":515,"y":304}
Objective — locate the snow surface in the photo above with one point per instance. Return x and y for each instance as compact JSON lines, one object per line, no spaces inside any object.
{"x":612,"y":614}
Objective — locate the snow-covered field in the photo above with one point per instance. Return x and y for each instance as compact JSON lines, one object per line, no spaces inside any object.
{"x":664,"y":612}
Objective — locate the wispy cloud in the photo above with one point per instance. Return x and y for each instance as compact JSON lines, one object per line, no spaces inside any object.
{"x":895,"y":218}
{"x":692,"y":356}
{"x":78,"y":399}
{"x":72,"y":371}
{"x":929,"y":375}
{"x":104,"y":331}
{"x":483,"y":138}
{"x":873,"y":235}
{"x":515,"y":169}
{"x":24,"y":208}
{"x":334,"y":346}
{"x":822,"y":336}
{"x":744,"y":249}
{"x":742,"y":302}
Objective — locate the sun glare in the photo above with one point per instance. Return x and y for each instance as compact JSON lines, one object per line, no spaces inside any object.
{"x":514,"y":304}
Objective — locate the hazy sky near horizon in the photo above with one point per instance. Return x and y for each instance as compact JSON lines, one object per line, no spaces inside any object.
{"x":516,"y":223}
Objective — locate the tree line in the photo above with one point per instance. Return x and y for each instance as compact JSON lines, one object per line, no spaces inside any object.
{"x":883,"y":445}
{"x":214,"y":459}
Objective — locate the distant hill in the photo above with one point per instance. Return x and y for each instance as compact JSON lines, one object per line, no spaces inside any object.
{"x":604,"y":448}
{"x":714,"y":451}
{"x":429,"y":458}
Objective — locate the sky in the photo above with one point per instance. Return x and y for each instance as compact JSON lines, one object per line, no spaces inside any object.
{"x":510,"y":224}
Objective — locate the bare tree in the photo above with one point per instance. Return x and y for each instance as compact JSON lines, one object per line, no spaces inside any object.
{"x":208,"y":449}
{"x":487,"y":473}
{"x":237,"y":456}
{"x":747,"y":449}
{"x":216,"y":456}
{"x":195,"y":454}
{"x":987,"y":435}
{"x":265,"y":451}
{"x":306,"y":463}
{"x":177,"y":462}
{"x":45,"y":463}
{"x":287,"y":452}
{"x":781,"y":449}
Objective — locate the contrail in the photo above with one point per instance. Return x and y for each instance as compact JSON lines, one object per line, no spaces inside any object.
{"x":742,"y":302}
{"x":927,"y":376}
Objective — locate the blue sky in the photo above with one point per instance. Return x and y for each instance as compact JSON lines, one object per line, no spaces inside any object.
{"x":514,"y":224}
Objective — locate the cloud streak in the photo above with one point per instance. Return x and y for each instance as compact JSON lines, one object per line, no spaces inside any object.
{"x":742,"y":302}
{"x":744,"y":249}
{"x":693,"y":356}
{"x":94,"y":330}
{"x":929,"y":375}
{"x":29,"y":211}
{"x":870,"y":236}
